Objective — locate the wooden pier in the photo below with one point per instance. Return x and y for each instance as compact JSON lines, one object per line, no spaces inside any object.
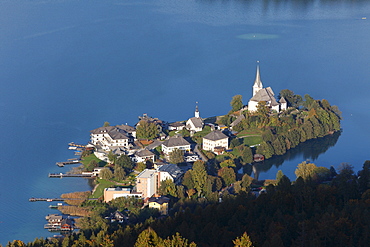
{"x":61,"y":175}
{"x":72,"y":144}
{"x":34,"y":199}
{"x":68,"y":162}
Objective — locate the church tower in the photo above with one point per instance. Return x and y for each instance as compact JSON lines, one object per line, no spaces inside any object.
{"x":196,"y":114}
{"x":257,"y":83}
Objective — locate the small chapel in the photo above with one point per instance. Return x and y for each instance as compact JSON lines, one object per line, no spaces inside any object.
{"x":264,"y":94}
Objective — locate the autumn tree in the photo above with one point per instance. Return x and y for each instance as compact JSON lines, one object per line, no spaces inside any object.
{"x":305,"y":170}
{"x":177,"y":241}
{"x":148,"y":238}
{"x":243,"y":241}
{"x":228,"y":175}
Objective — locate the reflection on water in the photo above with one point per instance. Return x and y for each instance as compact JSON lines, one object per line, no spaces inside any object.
{"x":309,"y":150}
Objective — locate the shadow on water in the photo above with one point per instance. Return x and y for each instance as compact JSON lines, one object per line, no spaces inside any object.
{"x":310,"y":150}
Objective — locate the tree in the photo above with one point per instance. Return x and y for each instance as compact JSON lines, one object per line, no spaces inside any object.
{"x":236,"y":103}
{"x":146,"y":130}
{"x":106,"y":173}
{"x":187,"y":180}
{"x":243,"y":241}
{"x":140,"y":166}
{"x":177,"y":241}
{"x":119,"y":173}
{"x":228,"y":175}
{"x":176,"y":156}
{"x":235,"y":142}
{"x":112,"y":157}
{"x":305,"y":170}
{"x":246,"y":154}
{"x":265,"y":149}
{"x":199,"y":176}
{"x":148,"y":238}
{"x":227,"y":163}
{"x":279,"y":175}
{"x":167,"y":187}
{"x":291,"y":99}
{"x":106,"y":124}
{"x":125,"y":162}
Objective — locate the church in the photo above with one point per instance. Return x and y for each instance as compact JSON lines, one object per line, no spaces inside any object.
{"x":264,"y":94}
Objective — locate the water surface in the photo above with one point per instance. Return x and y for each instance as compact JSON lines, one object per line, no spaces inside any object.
{"x":68,"y":66}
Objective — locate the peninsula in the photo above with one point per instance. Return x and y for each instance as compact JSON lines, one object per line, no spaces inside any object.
{"x":167,"y":171}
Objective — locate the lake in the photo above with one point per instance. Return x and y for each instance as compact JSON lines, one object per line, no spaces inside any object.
{"x":68,"y":66}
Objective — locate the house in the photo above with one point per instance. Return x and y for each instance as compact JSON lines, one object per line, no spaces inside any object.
{"x":109,"y":137}
{"x":113,"y":193}
{"x":146,"y":183}
{"x":117,"y":216}
{"x":195,"y":123}
{"x":149,"y":180}
{"x":215,"y":139}
{"x":143,"y":155}
{"x":175,"y":142}
{"x":97,"y":170}
{"x":176,"y":126}
{"x":67,"y":224}
{"x":169,"y":171}
{"x":160,"y":203}
{"x":261,"y":94}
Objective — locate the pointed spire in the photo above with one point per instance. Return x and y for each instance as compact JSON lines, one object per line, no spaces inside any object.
{"x":257,"y":83}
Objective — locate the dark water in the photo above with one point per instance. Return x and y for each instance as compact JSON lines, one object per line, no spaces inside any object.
{"x":67,"y":66}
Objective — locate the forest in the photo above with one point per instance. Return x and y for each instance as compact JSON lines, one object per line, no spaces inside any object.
{"x":305,"y":212}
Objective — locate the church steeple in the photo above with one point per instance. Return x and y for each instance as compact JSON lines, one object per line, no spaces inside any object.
{"x":196,"y":114}
{"x":257,"y":83}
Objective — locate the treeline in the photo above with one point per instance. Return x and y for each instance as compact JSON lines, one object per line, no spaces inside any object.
{"x":303,"y":120}
{"x":300,"y":213}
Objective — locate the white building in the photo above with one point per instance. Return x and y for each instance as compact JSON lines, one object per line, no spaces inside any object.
{"x":110,"y":137}
{"x":143,"y":155}
{"x":175,"y":142}
{"x":215,"y":139}
{"x":264,"y":94}
{"x":195,"y":123}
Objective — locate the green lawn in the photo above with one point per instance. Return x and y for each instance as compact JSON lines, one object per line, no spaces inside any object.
{"x":252,"y":140}
{"x":102,"y":184}
{"x":86,"y":160}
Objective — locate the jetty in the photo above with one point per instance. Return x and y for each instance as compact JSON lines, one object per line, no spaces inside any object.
{"x":72,"y":144}
{"x":35,"y":199}
{"x":61,"y":175}
{"x":68,"y":162}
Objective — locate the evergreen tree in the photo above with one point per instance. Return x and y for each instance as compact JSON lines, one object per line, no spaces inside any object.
{"x":199,"y":176}
{"x":243,"y":241}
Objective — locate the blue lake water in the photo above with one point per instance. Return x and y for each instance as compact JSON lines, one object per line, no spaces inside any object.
{"x":67,"y":66}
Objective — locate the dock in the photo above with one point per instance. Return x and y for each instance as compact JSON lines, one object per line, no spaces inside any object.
{"x":68,"y":162}
{"x":61,"y":175}
{"x":34,"y":199}
{"x":72,"y":144}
